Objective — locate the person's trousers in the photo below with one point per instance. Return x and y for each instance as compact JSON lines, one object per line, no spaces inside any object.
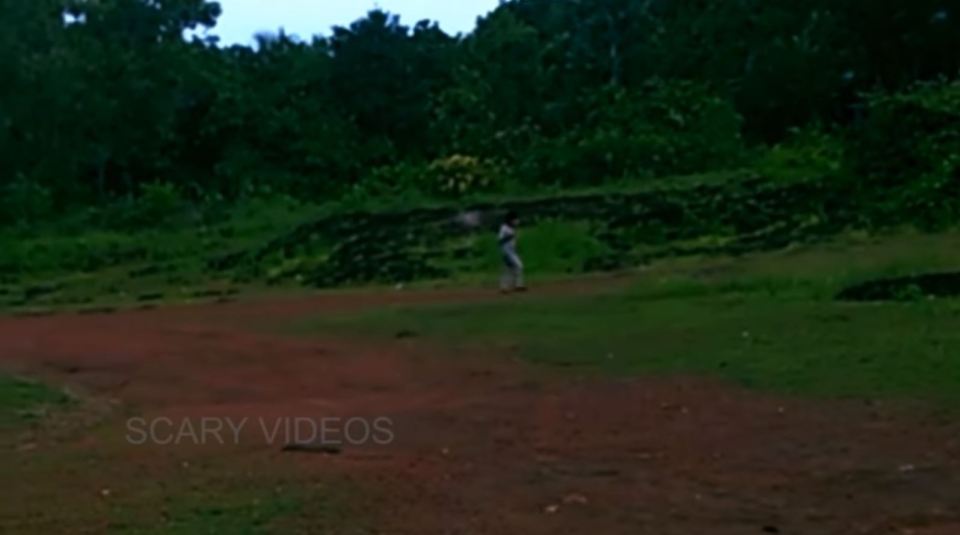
{"x":512,"y":277}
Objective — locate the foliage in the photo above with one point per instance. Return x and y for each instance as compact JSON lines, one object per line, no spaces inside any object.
{"x":807,"y":152}
{"x":910,"y":141}
{"x":68,"y":264}
{"x":450,"y":177}
{"x":574,"y":233}
{"x":158,"y":202}
{"x":911,"y":134}
{"x":110,"y":118}
{"x":102,"y":98}
{"x":459,"y":175}
{"x":557,"y":246}
{"x":667,"y":128}
{"x":23,"y":201}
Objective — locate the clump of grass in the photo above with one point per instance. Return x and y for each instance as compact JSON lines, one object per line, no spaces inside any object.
{"x":24,"y":401}
{"x":239,"y":514}
{"x":232,"y":508}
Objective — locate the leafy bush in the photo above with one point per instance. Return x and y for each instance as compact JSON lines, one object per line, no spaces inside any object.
{"x":911,"y":134}
{"x":159,"y":204}
{"x":808,"y":152}
{"x":24,"y":201}
{"x":556,"y":246}
{"x":667,"y":128}
{"x":461,"y":175}
{"x":454,"y":176}
{"x":93,"y":251}
{"x":385,"y":181}
{"x":908,"y":152}
{"x":159,"y":201}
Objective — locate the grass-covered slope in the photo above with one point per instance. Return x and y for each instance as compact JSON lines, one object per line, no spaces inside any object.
{"x":590,"y":231}
{"x":766,"y":320}
{"x":294,"y":243}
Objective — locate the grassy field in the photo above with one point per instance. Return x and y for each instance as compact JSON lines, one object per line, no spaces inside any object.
{"x":767,"y":321}
{"x":24,"y":401}
{"x":233,"y":506}
{"x":206,"y":495}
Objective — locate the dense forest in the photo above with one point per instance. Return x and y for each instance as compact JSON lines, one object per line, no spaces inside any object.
{"x":108,"y":100}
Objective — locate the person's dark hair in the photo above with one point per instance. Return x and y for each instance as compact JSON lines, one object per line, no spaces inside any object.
{"x":511,"y":217}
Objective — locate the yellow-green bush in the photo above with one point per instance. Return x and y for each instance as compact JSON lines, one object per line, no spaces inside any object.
{"x":461,"y":175}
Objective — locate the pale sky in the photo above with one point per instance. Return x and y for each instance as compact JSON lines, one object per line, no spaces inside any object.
{"x":242,"y":19}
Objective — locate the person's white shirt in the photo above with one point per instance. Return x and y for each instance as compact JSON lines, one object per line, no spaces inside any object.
{"x":508,"y":240}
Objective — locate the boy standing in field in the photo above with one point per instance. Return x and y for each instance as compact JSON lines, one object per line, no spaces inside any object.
{"x":512,"y":279}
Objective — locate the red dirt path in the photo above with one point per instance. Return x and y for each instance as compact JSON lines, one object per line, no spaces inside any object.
{"x":484,"y":445}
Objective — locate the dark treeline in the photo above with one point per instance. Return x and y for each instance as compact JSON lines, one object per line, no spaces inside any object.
{"x":103,"y":100}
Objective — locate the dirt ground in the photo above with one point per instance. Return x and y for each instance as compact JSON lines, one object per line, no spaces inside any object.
{"x":483,"y":444}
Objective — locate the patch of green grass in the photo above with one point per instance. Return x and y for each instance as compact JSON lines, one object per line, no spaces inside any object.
{"x":238,"y":512}
{"x":83,"y":265}
{"x":625,"y":185}
{"x":766,"y":321}
{"x":23,"y":401}
{"x":559,"y":247}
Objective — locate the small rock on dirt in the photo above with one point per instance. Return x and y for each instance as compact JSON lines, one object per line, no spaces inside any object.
{"x":328,"y":449}
{"x":404,"y":334}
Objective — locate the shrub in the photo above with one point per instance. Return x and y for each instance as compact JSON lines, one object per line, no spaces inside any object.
{"x":808,"y":152}
{"x":461,"y":175}
{"x":911,"y":134}
{"x":454,"y":176}
{"x":667,"y":128}
{"x":388,"y":180}
{"x":23,"y":201}
{"x":907,"y":153}
{"x":158,"y":204}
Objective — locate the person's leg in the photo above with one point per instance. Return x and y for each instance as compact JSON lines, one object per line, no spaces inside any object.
{"x":506,"y":278}
{"x":518,"y":283}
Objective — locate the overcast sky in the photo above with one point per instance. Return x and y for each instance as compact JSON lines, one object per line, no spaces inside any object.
{"x":242,"y":19}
